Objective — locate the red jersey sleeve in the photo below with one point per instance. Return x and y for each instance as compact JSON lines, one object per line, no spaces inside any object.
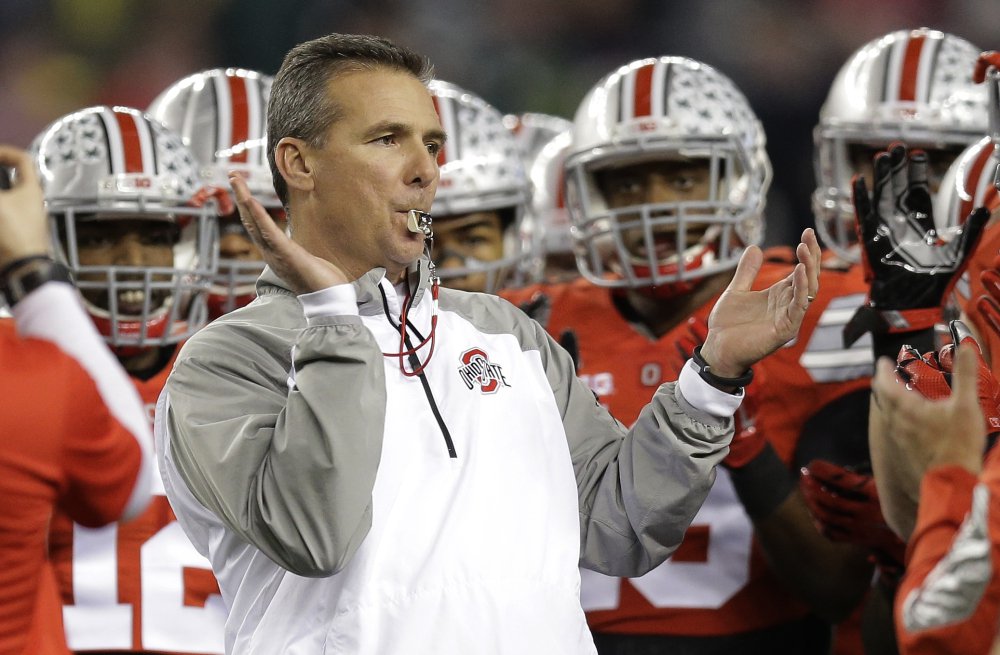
{"x":949,"y":599}
{"x":101,"y":458}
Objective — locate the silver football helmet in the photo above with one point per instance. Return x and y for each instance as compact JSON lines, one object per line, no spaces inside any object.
{"x":221,"y":115}
{"x":481,"y":170}
{"x":662,"y":109}
{"x":548,"y":200}
{"x":101,"y":165}
{"x":913,"y":86}
{"x":532,"y":130}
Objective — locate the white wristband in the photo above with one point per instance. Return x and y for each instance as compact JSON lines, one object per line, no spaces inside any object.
{"x":338,"y":300}
{"x":701,"y":395}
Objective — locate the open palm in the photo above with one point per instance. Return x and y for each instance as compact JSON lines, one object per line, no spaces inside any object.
{"x":745,"y":326}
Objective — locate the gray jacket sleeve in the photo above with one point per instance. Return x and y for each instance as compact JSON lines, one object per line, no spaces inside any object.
{"x":288,"y":467}
{"x":639,"y":488}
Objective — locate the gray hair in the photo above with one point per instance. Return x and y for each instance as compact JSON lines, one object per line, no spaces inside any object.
{"x":299,"y":106}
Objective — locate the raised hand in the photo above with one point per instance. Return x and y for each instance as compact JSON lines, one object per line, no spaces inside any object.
{"x":24,"y":226}
{"x":300,"y":269}
{"x":909,"y":263}
{"x":745,"y":326}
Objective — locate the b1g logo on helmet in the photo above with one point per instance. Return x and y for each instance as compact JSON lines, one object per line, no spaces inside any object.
{"x":476,"y":370}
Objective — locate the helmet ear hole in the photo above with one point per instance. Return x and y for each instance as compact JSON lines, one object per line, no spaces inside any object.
{"x":667,"y":109}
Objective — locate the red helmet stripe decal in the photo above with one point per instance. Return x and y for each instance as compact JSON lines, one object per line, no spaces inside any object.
{"x":972,"y":182}
{"x":560,"y":193}
{"x":911,"y":68}
{"x":240,"y":123}
{"x":131,"y":142}
{"x":643,"y":100}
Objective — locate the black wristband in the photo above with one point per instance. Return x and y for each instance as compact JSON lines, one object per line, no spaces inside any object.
{"x":763,"y":484}
{"x":704,"y":370}
{"x":22,"y":276}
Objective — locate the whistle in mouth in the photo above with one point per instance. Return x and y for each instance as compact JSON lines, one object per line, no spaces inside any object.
{"x":418,"y":221}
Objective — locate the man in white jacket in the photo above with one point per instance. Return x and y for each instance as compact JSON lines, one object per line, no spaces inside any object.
{"x":374,"y":465}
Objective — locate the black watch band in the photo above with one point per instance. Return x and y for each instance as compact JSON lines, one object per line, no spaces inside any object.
{"x":22,"y":276}
{"x":704,"y":370}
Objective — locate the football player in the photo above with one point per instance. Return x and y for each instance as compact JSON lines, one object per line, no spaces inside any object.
{"x":914,"y":86}
{"x":122,"y":193}
{"x":479,"y":241}
{"x":75,"y":437}
{"x":221,"y":115}
{"x":543,"y":141}
{"x":665,"y":184}
{"x":940,"y":453}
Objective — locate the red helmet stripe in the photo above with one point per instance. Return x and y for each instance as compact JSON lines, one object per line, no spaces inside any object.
{"x":560,"y":194}
{"x":643,"y":100}
{"x":911,"y":67}
{"x":240,"y":123}
{"x":972,"y":182}
{"x":131,"y":142}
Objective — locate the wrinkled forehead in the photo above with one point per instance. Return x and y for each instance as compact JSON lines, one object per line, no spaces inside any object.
{"x":369,"y":97}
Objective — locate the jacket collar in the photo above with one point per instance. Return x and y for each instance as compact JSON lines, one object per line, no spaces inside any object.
{"x":366,"y":287}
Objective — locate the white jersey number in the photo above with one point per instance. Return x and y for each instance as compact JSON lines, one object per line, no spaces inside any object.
{"x":705,"y":585}
{"x":97,"y":621}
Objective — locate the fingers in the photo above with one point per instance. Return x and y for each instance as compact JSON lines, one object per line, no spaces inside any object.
{"x":964,"y":378}
{"x":960,"y":332}
{"x":747,"y":269}
{"x":257,"y":222}
{"x":917,"y":195}
{"x":810,"y":255}
{"x":800,"y":289}
{"x":987,"y":60}
{"x":990,"y":311}
{"x":990,"y":279}
{"x":898,"y":168}
{"x":972,"y":231}
{"x":862,"y":206}
{"x":885,"y":384}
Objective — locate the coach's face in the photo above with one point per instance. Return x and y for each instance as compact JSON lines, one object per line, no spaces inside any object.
{"x":378,"y":161}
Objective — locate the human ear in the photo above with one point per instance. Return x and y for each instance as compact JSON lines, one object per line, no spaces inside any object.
{"x":290,"y":158}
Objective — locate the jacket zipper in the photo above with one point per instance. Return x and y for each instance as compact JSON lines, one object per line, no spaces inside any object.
{"x":414,"y":364}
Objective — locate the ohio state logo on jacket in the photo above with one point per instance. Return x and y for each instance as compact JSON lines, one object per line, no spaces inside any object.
{"x":476,"y":370}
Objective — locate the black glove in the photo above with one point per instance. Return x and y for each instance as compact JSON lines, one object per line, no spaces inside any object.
{"x":908,"y":266}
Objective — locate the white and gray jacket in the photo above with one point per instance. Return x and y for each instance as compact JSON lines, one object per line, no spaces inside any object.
{"x":347,"y":508}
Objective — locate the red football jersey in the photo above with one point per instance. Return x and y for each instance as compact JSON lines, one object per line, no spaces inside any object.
{"x":138,"y":586}
{"x":45,"y":464}
{"x":953,"y":564}
{"x":717,"y":582}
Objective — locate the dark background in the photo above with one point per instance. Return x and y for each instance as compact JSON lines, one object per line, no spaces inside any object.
{"x":57,"y":56}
